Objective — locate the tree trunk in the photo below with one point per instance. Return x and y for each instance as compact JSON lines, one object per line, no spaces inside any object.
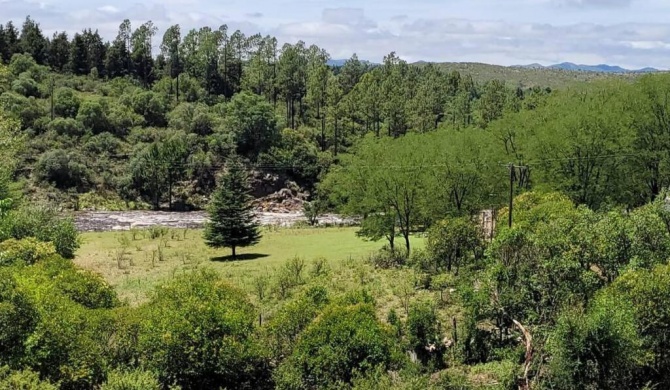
{"x":406,"y":234}
{"x":323,"y":133}
{"x":234,"y":254}
{"x":170,"y":190}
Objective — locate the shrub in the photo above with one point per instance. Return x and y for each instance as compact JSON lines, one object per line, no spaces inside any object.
{"x":22,"y":380}
{"x":131,"y":380}
{"x":28,"y":110}
{"x":92,"y":114}
{"x":67,"y":126}
{"x":295,"y":268}
{"x":83,"y":287}
{"x":44,"y":224}
{"x":387,"y":258}
{"x":341,"y":341}
{"x":197,"y":333}
{"x":66,"y":102}
{"x":63,"y":169}
{"x":285,"y":326}
{"x":452,"y":241}
{"x":25,"y":251}
{"x":319,"y":267}
{"x":423,"y":332}
{"x":26,"y":86}
{"x":595,"y":349}
{"x":18,"y":318}
{"x":21,"y":63}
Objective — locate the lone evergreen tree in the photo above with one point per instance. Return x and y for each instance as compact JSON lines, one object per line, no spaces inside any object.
{"x":232,"y":223}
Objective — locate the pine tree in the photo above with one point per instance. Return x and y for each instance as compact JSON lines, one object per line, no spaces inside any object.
{"x":232,"y":223}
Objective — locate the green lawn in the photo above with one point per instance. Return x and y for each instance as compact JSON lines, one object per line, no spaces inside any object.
{"x":135,"y":270}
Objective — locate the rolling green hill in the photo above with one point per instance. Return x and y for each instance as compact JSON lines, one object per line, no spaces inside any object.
{"x":527,"y":77}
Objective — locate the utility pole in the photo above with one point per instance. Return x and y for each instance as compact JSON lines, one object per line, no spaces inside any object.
{"x":52,"y":84}
{"x":511,"y":192}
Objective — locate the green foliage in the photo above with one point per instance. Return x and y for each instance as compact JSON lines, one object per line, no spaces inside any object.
{"x":18,"y":319}
{"x":44,"y":224}
{"x":598,"y":348}
{"x":67,"y":127}
{"x":423,"y":332}
{"x":22,"y":380}
{"x":341,"y":341}
{"x":63,"y":347}
{"x":232,"y":222}
{"x":55,"y":275}
{"x":93,"y":116}
{"x":647,"y":293}
{"x":21,"y":63}
{"x":26,"y":86}
{"x":386,"y":258}
{"x":284,"y":328}
{"x":26,"y":251}
{"x":151,"y":106}
{"x":197,"y":333}
{"x":252,"y":121}
{"x":452,"y":242}
{"x":66,"y":102}
{"x":62,"y":169}
{"x":131,"y":380}
{"x":27,"y":110}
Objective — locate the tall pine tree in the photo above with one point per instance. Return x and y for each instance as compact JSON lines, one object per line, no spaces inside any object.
{"x":231,"y":214}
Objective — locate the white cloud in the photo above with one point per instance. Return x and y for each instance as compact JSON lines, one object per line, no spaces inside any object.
{"x":631,"y":33}
{"x":109,"y":9}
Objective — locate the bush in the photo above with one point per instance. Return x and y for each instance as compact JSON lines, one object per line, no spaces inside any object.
{"x":66,"y":102}
{"x":387,"y":258}
{"x":26,"y":86}
{"x":452,"y":241}
{"x":423,"y":333}
{"x":22,"y":380}
{"x":28,"y":110}
{"x":93,"y":115}
{"x":18,"y":318}
{"x":44,"y":224}
{"x":340,"y":342}
{"x":67,"y":126}
{"x":21,"y":63}
{"x":285,"y":326}
{"x":598,"y":348}
{"x":58,"y":275}
{"x":63,"y":169}
{"x":197,"y":333}
{"x":64,"y":346}
{"x":131,"y":380}
{"x":104,"y":143}
{"x":25,"y":251}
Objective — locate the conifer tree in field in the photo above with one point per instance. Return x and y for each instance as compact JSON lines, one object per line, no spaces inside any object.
{"x":232,"y":223}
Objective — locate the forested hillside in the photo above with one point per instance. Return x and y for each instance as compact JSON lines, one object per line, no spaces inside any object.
{"x":111,"y":119}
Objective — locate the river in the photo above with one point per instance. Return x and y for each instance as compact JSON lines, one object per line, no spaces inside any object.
{"x":99,"y":221}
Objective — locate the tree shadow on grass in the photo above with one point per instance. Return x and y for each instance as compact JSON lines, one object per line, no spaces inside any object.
{"x":240,"y":257}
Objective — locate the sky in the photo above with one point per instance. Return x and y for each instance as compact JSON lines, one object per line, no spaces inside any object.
{"x":629,"y":33}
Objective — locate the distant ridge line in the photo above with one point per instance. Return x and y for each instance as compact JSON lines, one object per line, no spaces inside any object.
{"x":568,"y":66}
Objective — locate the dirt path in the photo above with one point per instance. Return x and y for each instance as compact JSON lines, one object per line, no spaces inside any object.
{"x":99,"y":221}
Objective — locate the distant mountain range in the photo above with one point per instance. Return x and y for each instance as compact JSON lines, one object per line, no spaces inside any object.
{"x":602,"y":68}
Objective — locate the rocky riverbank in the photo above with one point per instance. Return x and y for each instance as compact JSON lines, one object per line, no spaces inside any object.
{"x":99,"y":221}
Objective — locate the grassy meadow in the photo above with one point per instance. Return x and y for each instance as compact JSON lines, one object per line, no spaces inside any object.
{"x":134,"y":262}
